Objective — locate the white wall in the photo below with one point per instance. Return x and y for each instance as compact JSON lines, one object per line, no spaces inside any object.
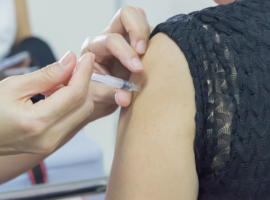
{"x":158,"y":11}
{"x":65,"y":24}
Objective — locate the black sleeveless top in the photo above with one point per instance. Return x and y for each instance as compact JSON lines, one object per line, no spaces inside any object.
{"x":228,"y":51}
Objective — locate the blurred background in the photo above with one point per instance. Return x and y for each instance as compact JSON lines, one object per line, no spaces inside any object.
{"x":64,"y":25}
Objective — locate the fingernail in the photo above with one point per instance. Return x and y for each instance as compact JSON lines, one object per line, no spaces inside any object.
{"x":136,"y":63}
{"x":65,"y":60}
{"x":140,"y":48}
{"x":92,"y":57}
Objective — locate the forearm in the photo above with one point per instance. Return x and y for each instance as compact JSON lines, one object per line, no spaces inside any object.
{"x":23,"y":26}
{"x":13,"y":165}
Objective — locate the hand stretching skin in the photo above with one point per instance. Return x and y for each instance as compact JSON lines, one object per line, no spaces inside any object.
{"x":114,"y":56}
{"x":39,"y":128}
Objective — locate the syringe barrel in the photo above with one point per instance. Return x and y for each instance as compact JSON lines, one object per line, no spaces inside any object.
{"x":108,"y":80}
{"x":115,"y":82}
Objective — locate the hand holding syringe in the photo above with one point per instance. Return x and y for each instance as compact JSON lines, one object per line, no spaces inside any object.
{"x":100,"y":78}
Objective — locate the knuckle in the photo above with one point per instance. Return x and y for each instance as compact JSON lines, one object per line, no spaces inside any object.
{"x":141,"y":11}
{"x":126,"y":10}
{"x":78,"y":96}
{"x":87,"y":44}
{"x":48,"y":72}
{"x":26,"y":126}
{"x":111,"y":38}
{"x":89,"y":39}
{"x":32,"y":128}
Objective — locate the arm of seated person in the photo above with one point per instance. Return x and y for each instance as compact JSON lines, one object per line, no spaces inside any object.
{"x":154,"y":157}
{"x":23,"y":26}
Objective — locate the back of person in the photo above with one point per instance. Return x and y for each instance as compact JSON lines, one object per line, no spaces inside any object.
{"x":227,"y":48}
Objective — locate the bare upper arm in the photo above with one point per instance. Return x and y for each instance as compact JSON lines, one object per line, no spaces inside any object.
{"x":23,"y":26}
{"x":154,"y":157}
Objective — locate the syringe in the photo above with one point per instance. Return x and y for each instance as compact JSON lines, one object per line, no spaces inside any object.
{"x":115,"y":82}
{"x":100,"y":78}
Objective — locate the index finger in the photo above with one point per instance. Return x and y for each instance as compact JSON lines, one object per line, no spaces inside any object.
{"x":68,"y":98}
{"x":132,"y":21}
{"x":114,"y":44}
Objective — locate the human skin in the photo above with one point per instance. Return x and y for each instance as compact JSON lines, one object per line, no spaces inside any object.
{"x":29,"y":128}
{"x":22,"y":163}
{"x":135,"y":23}
{"x":154,"y":156}
{"x":114,"y":56}
{"x":220,"y":2}
{"x":23,"y":26}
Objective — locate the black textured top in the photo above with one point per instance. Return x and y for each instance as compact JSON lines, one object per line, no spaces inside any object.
{"x":228,"y":51}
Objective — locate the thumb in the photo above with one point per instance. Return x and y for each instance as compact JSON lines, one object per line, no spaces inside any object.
{"x":63,"y":102}
{"x":122,"y":97}
{"x":48,"y":77}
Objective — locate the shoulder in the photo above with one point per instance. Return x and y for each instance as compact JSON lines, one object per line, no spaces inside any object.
{"x":166,"y":79}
